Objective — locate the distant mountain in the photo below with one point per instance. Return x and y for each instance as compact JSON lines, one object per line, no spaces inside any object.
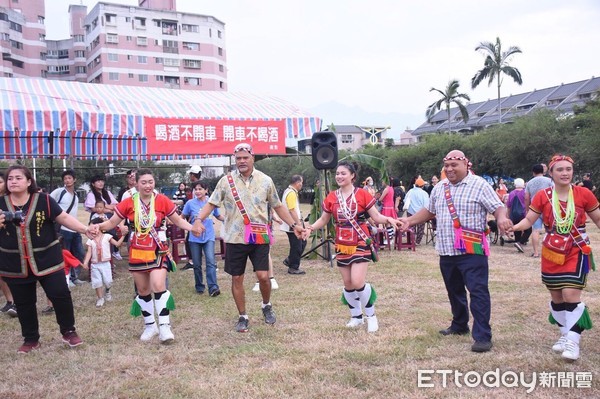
{"x":340,"y":114}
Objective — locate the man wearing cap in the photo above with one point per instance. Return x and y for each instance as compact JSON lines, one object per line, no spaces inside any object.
{"x":461,"y":202}
{"x":244,"y":197}
{"x":297,"y":245}
{"x":417,"y":199}
{"x":195,"y":172}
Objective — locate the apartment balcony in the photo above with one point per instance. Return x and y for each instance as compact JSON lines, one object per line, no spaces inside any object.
{"x":172,"y":85}
{"x":171,"y":50}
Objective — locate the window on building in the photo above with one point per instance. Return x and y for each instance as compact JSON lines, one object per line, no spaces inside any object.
{"x":347,"y":138}
{"x":221,"y":68}
{"x":169,"y":28}
{"x":127,"y":19}
{"x":128,"y":38}
{"x":58,"y":69}
{"x":4,"y":36}
{"x":171,"y":46}
{"x":196,"y":64}
{"x":113,"y":76}
{"x":79,"y":54}
{"x":130,"y":75}
{"x":158,"y":60}
{"x":41,"y":19}
{"x":219,"y":34}
{"x":63,"y":54}
{"x":220,"y":51}
{"x":129,"y":57}
{"x":142,"y":41}
{"x":172,"y":62}
{"x":190,"y":28}
{"x":15,"y":26}
{"x":143,"y":78}
{"x":111,"y":19}
{"x":16,"y":44}
{"x":79,"y":38}
{"x":81,"y":69}
{"x":142,"y":59}
{"x":44,"y":73}
{"x":18,"y":64}
{"x":113,"y":57}
{"x":139,"y":23}
{"x":112,"y":38}
{"x":191,"y":46}
{"x":221,"y":85}
{"x":41,"y":37}
{"x":160,"y":78}
{"x":192,"y":81}
{"x":43,"y":56}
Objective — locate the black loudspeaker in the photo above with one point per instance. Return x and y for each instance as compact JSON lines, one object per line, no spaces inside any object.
{"x":324,"y":150}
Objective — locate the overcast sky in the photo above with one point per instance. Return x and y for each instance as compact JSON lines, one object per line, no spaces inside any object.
{"x":383,"y":56}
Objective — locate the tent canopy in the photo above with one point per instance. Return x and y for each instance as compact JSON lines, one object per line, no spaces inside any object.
{"x":82,"y":120}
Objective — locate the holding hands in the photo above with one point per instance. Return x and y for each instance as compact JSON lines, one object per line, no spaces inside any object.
{"x":92,"y":231}
{"x":198,"y":228}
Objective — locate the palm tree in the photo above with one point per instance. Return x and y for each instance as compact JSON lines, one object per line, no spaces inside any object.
{"x":496,"y":63}
{"x":450,"y":95}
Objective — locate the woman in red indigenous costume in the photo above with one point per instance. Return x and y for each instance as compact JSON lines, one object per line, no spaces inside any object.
{"x":566,"y":253}
{"x":350,"y":208}
{"x":148,"y":259}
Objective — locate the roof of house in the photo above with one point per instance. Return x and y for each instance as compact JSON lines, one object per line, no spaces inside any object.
{"x":562,"y":98}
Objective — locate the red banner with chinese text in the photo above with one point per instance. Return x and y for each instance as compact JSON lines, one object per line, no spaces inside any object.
{"x":213,"y":136}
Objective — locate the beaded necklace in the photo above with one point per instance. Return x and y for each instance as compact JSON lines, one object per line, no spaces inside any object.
{"x":144,"y":216}
{"x":563,"y":224}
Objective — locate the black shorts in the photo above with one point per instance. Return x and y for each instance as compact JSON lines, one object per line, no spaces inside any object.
{"x":236,"y":256}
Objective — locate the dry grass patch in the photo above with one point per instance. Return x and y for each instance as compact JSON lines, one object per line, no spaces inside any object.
{"x":308,"y":353}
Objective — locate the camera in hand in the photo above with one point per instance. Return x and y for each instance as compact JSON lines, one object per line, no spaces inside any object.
{"x":13,"y":217}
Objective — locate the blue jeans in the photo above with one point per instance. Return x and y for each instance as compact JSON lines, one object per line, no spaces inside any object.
{"x":211,"y":265}
{"x":470,"y":271}
{"x":72,"y":243}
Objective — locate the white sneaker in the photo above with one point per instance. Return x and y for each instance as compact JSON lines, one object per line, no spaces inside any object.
{"x":100,"y":302}
{"x":256,"y":287}
{"x":571,"y":351}
{"x":274,"y":284}
{"x":165,"y":335}
{"x":355,"y":322}
{"x":559,"y":346}
{"x":117,"y":255}
{"x":70,"y":284}
{"x":150,"y":330}
{"x":108,"y":296}
{"x":372,"y":324}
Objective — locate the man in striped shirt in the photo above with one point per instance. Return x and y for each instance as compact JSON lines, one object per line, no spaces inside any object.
{"x":462,"y":263}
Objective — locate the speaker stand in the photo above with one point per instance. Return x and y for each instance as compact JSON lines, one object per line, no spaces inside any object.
{"x":326,"y":251}
{"x":327,"y":255}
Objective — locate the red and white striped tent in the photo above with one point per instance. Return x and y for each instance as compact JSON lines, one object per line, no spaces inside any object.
{"x":40,"y":118}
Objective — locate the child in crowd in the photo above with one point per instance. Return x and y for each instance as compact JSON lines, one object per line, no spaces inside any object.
{"x":98,"y":256}
{"x":100,"y":211}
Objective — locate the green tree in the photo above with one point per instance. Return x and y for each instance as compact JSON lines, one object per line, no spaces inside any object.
{"x":449,"y":95}
{"x":496,"y":63}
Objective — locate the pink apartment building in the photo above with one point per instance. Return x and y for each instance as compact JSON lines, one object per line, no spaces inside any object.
{"x":152,"y":45}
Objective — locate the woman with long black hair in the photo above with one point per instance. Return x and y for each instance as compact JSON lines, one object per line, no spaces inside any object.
{"x":30,"y":252}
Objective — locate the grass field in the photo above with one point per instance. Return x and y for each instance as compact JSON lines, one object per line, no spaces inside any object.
{"x":308,"y":353}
